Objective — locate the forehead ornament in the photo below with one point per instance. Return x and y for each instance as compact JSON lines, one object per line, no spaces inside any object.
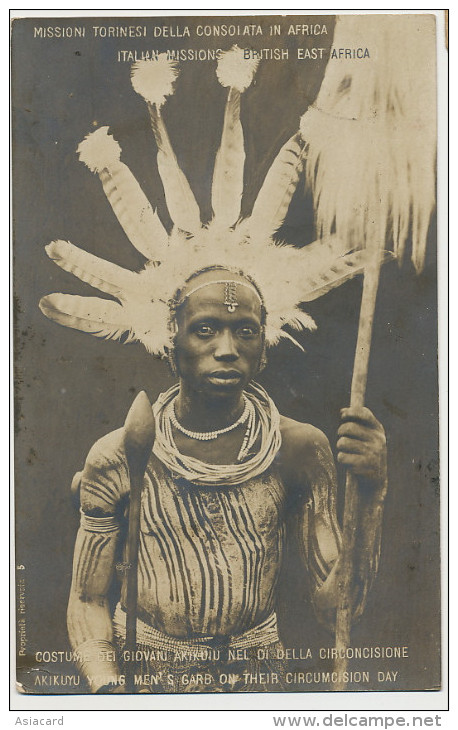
{"x":230,"y":292}
{"x":230,"y":296}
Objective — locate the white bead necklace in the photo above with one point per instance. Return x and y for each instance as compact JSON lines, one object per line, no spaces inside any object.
{"x":263,"y":423}
{"x":208,"y":435}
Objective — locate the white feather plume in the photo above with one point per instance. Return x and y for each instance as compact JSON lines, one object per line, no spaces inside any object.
{"x":372,"y":135}
{"x":329,"y":275}
{"x":179,"y":197}
{"x":234,"y":70}
{"x":154,"y":78}
{"x":227,"y":187}
{"x":137,"y":321}
{"x":100,"y":274}
{"x":141,"y":224}
{"x":99,"y":150}
{"x":99,"y":317}
{"x":272,"y":203}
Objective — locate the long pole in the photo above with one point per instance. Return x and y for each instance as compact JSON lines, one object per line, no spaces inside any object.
{"x":357,"y":397}
{"x":139,"y":434}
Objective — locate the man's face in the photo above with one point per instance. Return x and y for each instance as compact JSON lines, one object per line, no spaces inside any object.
{"x":217,"y":350}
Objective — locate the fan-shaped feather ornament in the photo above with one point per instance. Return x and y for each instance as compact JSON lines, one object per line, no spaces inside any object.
{"x":139,"y":308}
{"x":371,"y":165}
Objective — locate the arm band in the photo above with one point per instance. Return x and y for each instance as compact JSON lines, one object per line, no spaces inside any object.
{"x":99,"y":524}
{"x":97,"y":663}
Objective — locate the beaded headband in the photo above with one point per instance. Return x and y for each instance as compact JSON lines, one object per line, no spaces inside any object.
{"x":140,"y":305}
{"x":230,"y":292}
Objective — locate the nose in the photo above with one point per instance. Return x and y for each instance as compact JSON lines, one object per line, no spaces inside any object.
{"x":226,"y":347}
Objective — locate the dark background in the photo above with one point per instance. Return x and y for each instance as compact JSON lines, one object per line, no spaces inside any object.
{"x":71,"y":388}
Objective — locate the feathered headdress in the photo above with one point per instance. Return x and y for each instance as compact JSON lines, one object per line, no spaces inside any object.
{"x":139,"y":308}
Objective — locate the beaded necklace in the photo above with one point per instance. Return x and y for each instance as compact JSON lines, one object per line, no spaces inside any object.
{"x":263,"y":423}
{"x":206,"y":435}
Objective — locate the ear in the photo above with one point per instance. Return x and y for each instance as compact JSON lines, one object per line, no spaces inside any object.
{"x":263,"y":358}
{"x":170,"y":356}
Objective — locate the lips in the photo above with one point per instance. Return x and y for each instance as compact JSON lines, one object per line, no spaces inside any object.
{"x":225,"y":377}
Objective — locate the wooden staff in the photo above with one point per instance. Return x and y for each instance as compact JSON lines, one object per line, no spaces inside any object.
{"x":358,"y":392}
{"x":371,"y":137}
{"x":139,"y":431}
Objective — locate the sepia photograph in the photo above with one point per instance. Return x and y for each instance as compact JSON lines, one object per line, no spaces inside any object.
{"x":225,"y":351}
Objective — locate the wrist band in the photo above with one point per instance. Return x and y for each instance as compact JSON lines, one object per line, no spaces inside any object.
{"x":97,"y":663}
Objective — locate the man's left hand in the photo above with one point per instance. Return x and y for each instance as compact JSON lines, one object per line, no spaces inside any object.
{"x":362,"y":444}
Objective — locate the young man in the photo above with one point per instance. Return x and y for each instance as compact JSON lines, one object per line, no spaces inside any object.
{"x":211,"y":543}
{"x":224,"y":462}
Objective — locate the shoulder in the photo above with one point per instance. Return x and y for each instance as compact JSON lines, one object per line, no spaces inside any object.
{"x":107,"y":450}
{"x":105,"y":477}
{"x":305,"y":451}
{"x":297,"y":436}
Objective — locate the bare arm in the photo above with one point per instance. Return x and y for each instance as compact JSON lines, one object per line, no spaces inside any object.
{"x":88,"y":617}
{"x":311,"y":464}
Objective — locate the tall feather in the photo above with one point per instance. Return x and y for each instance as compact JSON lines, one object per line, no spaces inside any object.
{"x":326,"y":264}
{"x":99,"y":317}
{"x":326,"y":249}
{"x":100,"y":274}
{"x":179,"y":197}
{"x":272,"y":203}
{"x":227,"y":185}
{"x":236,"y":73}
{"x":153,"y":79}
{"x":383,"y":107}
{"x":333,"y":274}
{"x":101,"y":154}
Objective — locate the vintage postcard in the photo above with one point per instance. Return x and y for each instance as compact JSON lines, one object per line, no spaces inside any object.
{"x":226,"y":387}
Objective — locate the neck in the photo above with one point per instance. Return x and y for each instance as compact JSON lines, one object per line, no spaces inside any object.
{"x":198,"y":411}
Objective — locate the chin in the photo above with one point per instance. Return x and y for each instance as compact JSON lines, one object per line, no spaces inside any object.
{"x":222,"y":391}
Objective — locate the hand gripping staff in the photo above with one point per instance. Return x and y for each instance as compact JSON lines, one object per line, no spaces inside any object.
{"x":139,"y":431}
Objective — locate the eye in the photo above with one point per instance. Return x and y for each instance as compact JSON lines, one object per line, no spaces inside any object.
{"x":204,"y":330}
{"x":248,"y":331}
